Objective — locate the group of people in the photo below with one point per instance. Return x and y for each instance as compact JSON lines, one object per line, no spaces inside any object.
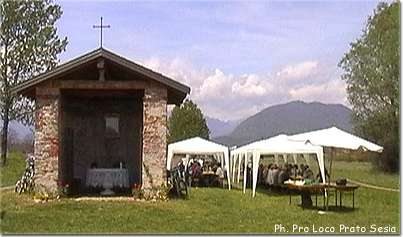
{"x":274,"y":174}
{"x":196,"y":169}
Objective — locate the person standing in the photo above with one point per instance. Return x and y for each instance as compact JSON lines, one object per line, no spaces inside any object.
{"x":275,"y":173}
{"x":220,"y":175}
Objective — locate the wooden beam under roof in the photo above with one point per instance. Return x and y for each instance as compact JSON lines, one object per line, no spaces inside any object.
{"x":100,"y":85}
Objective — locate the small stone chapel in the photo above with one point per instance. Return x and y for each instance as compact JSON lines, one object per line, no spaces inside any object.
{"x":101,"y":110}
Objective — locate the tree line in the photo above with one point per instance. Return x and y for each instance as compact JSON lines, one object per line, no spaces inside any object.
{"x":372,"y":73}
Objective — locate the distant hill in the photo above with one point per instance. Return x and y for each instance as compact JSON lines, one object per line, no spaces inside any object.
{"x":220,"y":128}
{"x":290,"y":118}
{"x":20,"y":129}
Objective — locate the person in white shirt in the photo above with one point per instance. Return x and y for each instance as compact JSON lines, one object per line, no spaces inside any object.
{"x":269,"y":177}
{"x":275,"y":173}
{"x":220,"y":173}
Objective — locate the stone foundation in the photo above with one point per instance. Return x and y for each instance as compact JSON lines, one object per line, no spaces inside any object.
{"x":154,"y":137}
{"x":47,"y":140}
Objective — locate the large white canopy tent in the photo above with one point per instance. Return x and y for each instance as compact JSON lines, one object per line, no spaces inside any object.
{"x":278,"y":145}
{"x":200,"y":146}
{"x":334,"y":137}
{"x":296,"y":144}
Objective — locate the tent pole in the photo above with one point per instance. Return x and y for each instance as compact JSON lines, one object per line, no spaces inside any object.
{"x":330,"y":173}
{"x":331,"y":162}
{"x":239,"y":167}
{"x":226,"y":158}
{"x":255,"y":165}
{"x":231,"y":167}
{"x":244,"y":172}
{"x":234,"y":158}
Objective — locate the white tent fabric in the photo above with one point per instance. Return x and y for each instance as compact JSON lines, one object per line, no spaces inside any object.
{"x":278,"y":145}
{"x":200,"y":146}
{"x":304,"y":143}
{"x":334,"y":137}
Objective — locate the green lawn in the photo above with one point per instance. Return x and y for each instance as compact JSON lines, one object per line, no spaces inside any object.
{"x":13,"y":170}
{"x":365,"y":173}
{"x":209,"y":210}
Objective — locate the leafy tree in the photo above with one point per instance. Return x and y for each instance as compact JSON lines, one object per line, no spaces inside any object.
{"x":12,"y":138}
{"x":29,"y":45}
{"x":372,"y":71}
{"x":187,"y":121}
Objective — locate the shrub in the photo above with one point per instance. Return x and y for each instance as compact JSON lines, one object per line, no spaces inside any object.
{"x":389,"y":160}
{"x":151,"y":194}
{"x":63,"y":189}
{"x":136,"y":191}
{"x":42,"y":194}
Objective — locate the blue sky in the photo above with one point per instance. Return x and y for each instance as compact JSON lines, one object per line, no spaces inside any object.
{"x":238,"y":57}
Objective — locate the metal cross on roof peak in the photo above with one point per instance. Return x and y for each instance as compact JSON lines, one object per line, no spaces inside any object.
{"x":101,"y":27}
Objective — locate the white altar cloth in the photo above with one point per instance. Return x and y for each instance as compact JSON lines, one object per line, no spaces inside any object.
{"x":107,"y":178}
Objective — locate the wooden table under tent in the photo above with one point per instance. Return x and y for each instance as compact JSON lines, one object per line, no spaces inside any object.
{"x":320,"y":189}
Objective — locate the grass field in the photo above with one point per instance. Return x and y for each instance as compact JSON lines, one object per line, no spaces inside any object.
{"x":13,"y":170}
{"x":365,"y":173}
{"x":209,"y":210}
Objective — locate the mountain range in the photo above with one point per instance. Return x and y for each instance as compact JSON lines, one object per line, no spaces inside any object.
{"x":290,"y":118}
{"x":221,"y":128}
{"x":19,"y":129}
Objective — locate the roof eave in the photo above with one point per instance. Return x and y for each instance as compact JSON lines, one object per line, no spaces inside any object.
{"x":101,"y":52}
{"x":18,"y":89}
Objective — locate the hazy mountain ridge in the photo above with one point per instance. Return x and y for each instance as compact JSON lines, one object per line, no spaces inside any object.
{"x":220,"y":128}
{"x":290,"y":118}
{"x":20,"y":129}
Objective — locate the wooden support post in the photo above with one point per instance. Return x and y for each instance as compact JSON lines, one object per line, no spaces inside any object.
{"x":289,"y":191}
{"x":335,"y":196}
{"x":341,"y":199}
{"x":330,"y":173}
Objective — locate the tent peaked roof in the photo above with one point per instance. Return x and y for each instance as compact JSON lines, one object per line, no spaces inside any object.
{"x":196,"y":144}
{"x":251,"y":145}
{"x":264,"y":142}
{"x":87,"y":58}
{"x":279,"y":144}
{"x":335,"y":137}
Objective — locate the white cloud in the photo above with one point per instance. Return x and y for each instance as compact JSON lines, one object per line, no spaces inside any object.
{"x":228,"y":97}
{"x":298,"y":71}
{"x":177,"y":69}
{"x":250,"y":86}
{"x":214,"y":86}
{"x":329,"y":92}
